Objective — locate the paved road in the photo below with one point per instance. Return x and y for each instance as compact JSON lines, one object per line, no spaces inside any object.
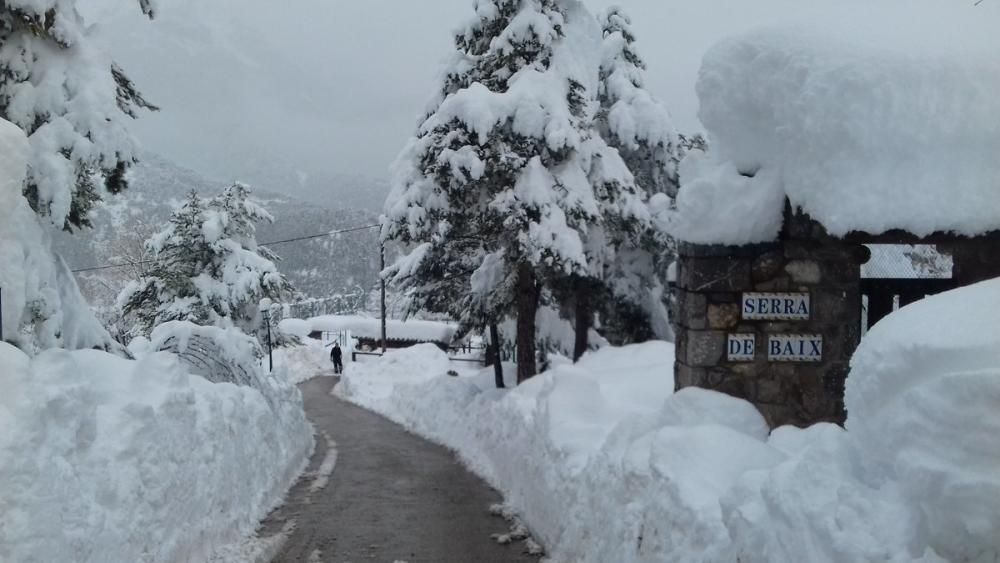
{"x":391,"y":497}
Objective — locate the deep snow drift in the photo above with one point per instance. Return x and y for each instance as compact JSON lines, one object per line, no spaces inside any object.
{"x":106,"y":460}
{"x":605,"y":463}
{"x":863,"y":126}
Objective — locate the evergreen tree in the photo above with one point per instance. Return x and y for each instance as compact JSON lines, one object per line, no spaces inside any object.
{"x":639,"y":127}
{"x":207,"y":267}
{"x":73,"y":102}
{"x":498,"y":179}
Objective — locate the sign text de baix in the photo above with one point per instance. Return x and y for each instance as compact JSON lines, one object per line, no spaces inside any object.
{"x":776,"y":306}
{"x":741,"y":347}
{"x":795,"y":347}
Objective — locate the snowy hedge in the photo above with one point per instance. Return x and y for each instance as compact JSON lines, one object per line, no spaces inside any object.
{"x":104,"y":459}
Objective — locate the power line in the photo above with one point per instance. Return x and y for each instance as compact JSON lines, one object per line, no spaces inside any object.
{"x":271,"y":243}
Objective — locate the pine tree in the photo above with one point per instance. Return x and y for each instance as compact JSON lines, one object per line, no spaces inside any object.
{"x":639,"y":127}
{"x":494,"y":195}
{"x":207,"y":267}
{"x":73,"y":102}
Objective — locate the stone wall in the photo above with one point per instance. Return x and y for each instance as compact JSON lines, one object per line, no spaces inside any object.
{"x":711,"y":281}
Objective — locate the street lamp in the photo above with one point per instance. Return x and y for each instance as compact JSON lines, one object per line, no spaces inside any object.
{"x":265,"y":310}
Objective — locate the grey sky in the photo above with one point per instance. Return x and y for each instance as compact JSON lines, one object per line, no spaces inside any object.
{"x":333,"y":87}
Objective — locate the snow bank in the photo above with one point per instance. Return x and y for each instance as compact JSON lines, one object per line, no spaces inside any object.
{"x":605,"y":463}
{"x":110,"y":460}
{"x":864,"y":127}
{"x":301,"y":363}
{"x":924,"y":404}
{"x":42,"y":305}
{"x":368,"y":327}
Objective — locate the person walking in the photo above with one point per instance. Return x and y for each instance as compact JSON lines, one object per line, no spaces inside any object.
{"x":337,"y":355}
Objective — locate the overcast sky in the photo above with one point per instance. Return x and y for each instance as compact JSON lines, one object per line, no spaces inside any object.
{"x":334,"y":87}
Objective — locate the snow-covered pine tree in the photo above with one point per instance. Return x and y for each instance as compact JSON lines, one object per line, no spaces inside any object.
{"x":497,"y":175}
{"x":207,"y":267}
{"x":638,"y":125}
{"x":73,"y":102}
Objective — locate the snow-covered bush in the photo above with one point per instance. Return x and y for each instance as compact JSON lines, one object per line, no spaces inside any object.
{"x":220,"y":355}
{"x":207,"y":267}
{"x":73,"y":102}
{"x":110,"y":460}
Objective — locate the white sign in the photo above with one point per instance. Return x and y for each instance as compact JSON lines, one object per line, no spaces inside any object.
{"x":741,"y":347}
{"x":795,"y":347}
{"x":776,"y":306}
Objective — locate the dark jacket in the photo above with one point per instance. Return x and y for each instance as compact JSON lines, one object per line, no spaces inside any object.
{"x":336,"y":354}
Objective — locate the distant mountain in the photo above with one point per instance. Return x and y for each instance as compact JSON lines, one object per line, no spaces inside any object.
{"x":318,"y":267}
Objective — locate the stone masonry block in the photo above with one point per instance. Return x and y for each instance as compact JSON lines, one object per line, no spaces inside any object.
{"x":722,"y":317}
{"x":804,"y":271}
{"x":714,"y":274}
{"x":767,"y":266}
{"x":692,"y":310}
{"x":704,"y":348}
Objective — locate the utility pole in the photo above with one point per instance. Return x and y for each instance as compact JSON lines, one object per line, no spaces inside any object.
{"x":265,"y":310}
{"x":382,"y":290}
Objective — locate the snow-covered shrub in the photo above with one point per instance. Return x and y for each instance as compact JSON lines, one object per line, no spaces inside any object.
{"x":73,"y":102}
{"x":220,"y":355}
{"x":110,"y":460}
{"x":207,"y":267}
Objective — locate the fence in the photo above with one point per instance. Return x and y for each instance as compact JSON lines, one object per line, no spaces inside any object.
{"x":897,"y":275}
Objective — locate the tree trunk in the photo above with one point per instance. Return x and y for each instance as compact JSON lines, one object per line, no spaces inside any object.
{"x":527,"y":307}
{"x":495,"y":352}
{"x":583,"y":311}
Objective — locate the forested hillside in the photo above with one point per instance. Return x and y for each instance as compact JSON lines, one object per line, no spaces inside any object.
{"x":317,"y":267}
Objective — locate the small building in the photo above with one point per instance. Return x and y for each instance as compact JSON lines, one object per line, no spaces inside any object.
{"x":368,"y":331}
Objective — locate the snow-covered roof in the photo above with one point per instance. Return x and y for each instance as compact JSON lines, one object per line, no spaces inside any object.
{"x":872,"y":129}
{"x":368,"y":327}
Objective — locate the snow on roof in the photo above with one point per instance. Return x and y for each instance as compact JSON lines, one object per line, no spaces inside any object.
{"x":368,"y":327}
{"x":889,"y":126}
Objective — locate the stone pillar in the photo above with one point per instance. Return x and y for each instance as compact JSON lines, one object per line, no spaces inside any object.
{"x":711,"y":284}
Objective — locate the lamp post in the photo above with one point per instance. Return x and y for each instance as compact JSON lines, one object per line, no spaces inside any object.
{"x":265,"y":310}
{"x":382,"y":291}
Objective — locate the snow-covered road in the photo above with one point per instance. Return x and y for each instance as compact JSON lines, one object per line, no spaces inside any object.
{"x":391,"y":496}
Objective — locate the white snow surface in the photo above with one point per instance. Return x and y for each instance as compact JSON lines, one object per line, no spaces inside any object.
{"x":369,"y":327}
{"x":306,"y":361}
{"x":604,"y":462}
{"x":107,"y":460}
{"x":924,"y":403}
{"x":865,"y":127}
